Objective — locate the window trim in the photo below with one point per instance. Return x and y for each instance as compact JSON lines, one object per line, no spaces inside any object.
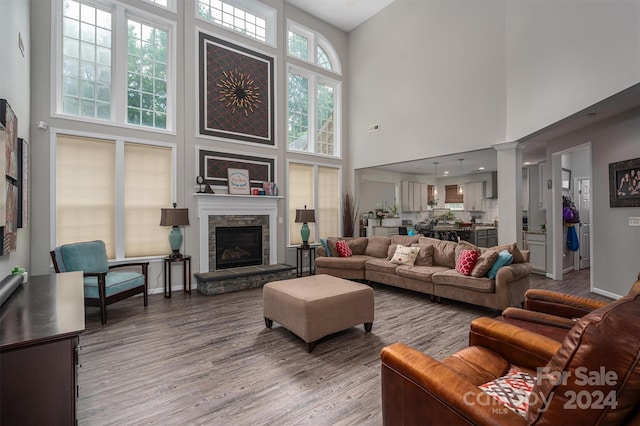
{"x":315,"y":39}
{"x":314,"y":79}
{"x":171,"y":5}
{"x":315,"y":166}
{"x":120,"y":14}
{"x":256,"y":8}
{"x":119,"y":202}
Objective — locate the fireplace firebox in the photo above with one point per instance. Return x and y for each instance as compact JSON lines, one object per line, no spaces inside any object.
{"x":238,"y":246}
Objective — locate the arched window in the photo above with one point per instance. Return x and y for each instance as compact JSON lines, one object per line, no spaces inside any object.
{"x":311,"y":47}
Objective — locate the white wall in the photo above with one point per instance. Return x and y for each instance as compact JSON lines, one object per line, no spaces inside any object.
{"x":14,"y":87}
{"x":563,"y":56}
{"x":432,"y":74}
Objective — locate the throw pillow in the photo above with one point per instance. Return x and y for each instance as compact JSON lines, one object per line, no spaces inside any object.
{"x":425,"y":255}
{"x":405,"y":255}
{"x":485,"y":261}
{"x":331,"y":242}
{"x":391,"y":251}
{"x":358,"y":245}
{"x":512,"y":248}
{"x":465,"y":245}
{"x":466,"y":261}
{"x":511,"y":390}
{"x":325,"y":245}
{"x":343,"y":248}
{"x":504,"y":258}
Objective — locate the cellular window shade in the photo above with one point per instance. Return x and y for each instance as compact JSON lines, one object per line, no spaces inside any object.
{"x":147,"y":189}
{"x":328,"y":211}
{"x":85,"y":199}
{"x":451,"y":194}
{"x":300,"y":194}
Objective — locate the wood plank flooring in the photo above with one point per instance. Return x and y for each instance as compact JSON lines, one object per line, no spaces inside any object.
{"x":209,"y":360}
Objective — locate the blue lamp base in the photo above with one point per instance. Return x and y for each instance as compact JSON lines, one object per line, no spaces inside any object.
{"x":175,"y":241}
{"x":304,"y":233}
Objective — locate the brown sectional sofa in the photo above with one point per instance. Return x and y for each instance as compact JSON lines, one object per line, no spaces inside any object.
{"x":433,"y":272}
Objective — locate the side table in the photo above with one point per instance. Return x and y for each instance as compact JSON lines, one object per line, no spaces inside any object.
{"x":300,"y":259}
{"x":186,"y":273}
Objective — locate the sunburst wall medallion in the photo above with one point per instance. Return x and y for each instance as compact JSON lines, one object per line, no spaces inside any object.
{"x":239,"y":92}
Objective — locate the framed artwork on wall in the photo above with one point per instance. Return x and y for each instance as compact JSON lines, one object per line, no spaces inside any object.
{"x":10,"y":122}
{"x":624,"y":183}
{"x":566,"y":179}
{"x":236,"y":96}
{"x":23,"y":183}
{"x":238,"y":181}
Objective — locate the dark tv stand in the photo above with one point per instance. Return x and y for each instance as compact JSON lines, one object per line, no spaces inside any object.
{"x":39,"y":328}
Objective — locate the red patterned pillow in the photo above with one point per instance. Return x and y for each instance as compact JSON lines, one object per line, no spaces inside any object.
{"x":466,"y":261}
{"x":343,"y":249}
{"x":511,"y":390}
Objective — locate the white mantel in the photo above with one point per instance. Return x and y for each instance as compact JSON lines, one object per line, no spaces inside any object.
{"x":226,"y":204}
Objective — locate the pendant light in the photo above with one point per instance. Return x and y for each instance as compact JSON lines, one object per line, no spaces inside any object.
{"x":460,"y":185}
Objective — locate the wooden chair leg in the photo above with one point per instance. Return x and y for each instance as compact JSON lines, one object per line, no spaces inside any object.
{"x":103,"y":312}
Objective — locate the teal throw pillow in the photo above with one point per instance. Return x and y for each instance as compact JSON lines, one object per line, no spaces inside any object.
{"x":325,"y":245}
{"x":504,"y":258}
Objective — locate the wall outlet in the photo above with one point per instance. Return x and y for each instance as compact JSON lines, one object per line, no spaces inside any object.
{"x":634,"y":221}
{"x":374,"y":128}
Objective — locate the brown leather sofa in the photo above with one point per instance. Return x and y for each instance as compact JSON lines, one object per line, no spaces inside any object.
{"x":418,"y":390}
{"x":553,"y":313}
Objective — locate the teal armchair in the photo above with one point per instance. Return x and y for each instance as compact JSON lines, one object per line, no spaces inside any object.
{"x":101,"y":286}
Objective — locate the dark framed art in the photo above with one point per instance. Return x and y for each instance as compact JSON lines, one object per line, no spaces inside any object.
{"x":624,"y":183}
{"x":10,"y":122}
{"x":236,"y":97}
{"x":23,"y":183}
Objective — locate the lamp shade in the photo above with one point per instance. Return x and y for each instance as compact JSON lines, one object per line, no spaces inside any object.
{"x":305,"y":216}
{"x":174,"y":217}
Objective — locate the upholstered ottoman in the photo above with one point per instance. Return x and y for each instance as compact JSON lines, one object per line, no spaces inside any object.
{"x":315,"y":306}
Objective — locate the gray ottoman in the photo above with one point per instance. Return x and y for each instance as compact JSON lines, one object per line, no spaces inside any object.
{"x":315,"y":306}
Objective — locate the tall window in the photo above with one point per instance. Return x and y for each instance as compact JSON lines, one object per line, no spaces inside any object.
{"x":317,"y":187}
{"x":251,"y":19}
{"x":93,"y":65}
{"x":312,"y":113}
{"x":112,"y":190}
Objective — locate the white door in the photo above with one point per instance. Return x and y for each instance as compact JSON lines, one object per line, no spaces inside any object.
{"x":584,"y":235}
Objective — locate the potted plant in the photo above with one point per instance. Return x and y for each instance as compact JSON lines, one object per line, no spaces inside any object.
{"x":19,"y":270}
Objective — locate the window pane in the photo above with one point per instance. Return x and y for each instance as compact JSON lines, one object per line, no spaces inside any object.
{"x":147,"y":189}
{"x":147,"y":49}
{"x":326,"y":123}
{"x":298,"y":113}
{"x":328,"y":211}
{"x":229,"y":16}
{"x":81,"y":41}
{"x":298,"y":46}
{"x":300,"y":194}
{"x":85,"y":208}
{"x":323,"y":59}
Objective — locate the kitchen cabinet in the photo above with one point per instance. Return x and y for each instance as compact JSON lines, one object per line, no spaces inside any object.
{"x":484,"y":237}
{"x":474,"y":196}
{"x":411,"y":199}
{"x":525,"y":188}
{"x":536,"y":243}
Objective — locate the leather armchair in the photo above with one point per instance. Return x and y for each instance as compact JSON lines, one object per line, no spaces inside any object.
{"x":553,"y":313}
{"x":418,"y":390}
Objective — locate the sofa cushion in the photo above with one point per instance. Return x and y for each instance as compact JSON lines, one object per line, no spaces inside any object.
{"x":405,"y":240}
{"x":358,"y":245}
{"x":444,"y":253}
{"x":484,"y":263}
{"x":504,"y":258}
{"x":405,"y":255}
{"x":425,"y":255}
{"x":331,"y":242}
{"x":512,"y":248}
{"x":466,"y":261}
{"x":377,"y":246}
{"x":381,"y":265}
{"x":353,"y":262}
{"x":454,"y":278}
{"x":343,"y":249}
{"x":419,"y":273}
{"x":325,"y":245}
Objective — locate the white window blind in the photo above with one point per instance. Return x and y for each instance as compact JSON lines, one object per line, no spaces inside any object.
{"x":300,"y":194}
{"x":85,"y":191}
{"x":147,"y":189}
{"x":328,"y":211}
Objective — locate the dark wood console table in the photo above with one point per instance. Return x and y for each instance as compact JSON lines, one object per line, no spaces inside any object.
{"x":39,"y":328}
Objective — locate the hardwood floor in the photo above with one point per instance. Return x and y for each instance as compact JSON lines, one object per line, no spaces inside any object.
{"x":210,"y":360}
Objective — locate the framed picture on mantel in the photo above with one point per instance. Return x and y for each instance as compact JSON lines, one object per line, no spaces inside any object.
{"x":238,"y":181}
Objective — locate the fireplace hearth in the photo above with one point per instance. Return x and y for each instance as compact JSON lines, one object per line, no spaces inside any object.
{"x":238,"y":246}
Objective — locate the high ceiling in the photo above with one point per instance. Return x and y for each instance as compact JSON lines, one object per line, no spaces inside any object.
{"x":343,"y":14}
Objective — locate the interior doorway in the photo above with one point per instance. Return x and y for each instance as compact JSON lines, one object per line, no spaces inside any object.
{"x":582,"y":258}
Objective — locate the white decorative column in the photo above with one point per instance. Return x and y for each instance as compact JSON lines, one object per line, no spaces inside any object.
{"x":225,"y":204}
{"x":509,"y":192}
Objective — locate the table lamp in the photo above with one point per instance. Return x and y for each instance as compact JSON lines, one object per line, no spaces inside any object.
{"x":305,"y":216}
{"x":175,"y":218}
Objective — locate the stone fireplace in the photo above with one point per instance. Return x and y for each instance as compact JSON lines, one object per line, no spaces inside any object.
{"x":238,"y":240}
{"x":240,"y":212}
